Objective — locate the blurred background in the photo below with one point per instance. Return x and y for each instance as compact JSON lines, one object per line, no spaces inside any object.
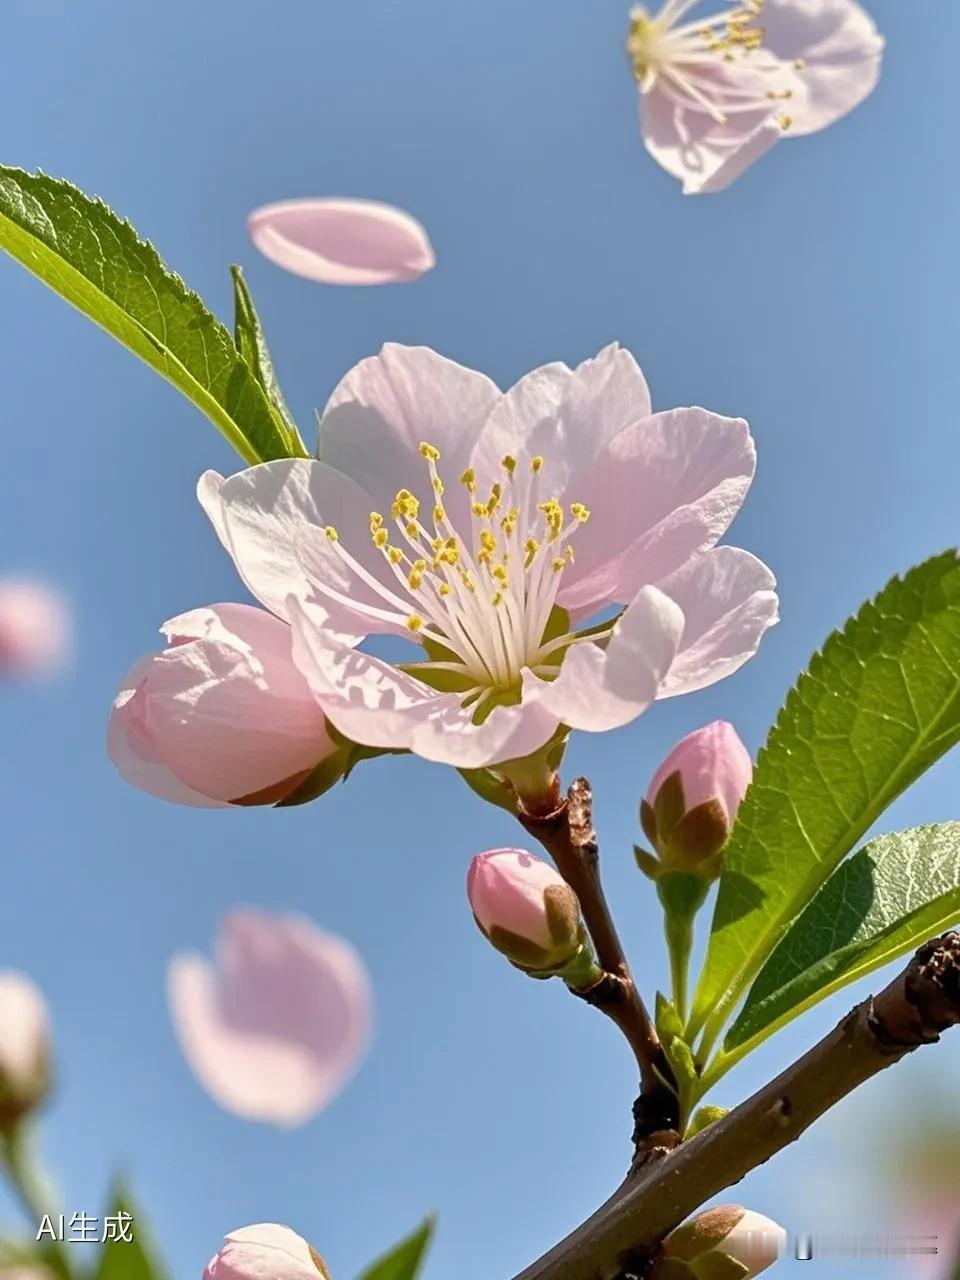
{"x":817,"y":298}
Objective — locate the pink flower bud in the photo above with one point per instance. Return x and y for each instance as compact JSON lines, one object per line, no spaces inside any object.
{"x":266,"y":1252}
{"x":525,"y":908}
{"x":694,"y":796}
{"x":748,"y":1241}
{"x":24,"y":1047}
{"x":220,"y":717}
{"x":34,"y":628}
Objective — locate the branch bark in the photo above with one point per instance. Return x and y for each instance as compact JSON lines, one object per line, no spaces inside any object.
{"x":620,"y":1240}
{"x":569,"y":837}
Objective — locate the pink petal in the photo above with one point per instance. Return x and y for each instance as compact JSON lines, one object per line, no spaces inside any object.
{"x":563,"y":415}
{"x":662,"y":490}
{"x":713,"y":764}
{"x":231,"y":715}
{"x":34,"y":628}
{"x":275,"y":1028}
{"x":267,"y":1251}
{"x":728,"y":599}
{"x":705,"y":155}
{"x":264,"y":512}
{"x":387,"y":405}
{"x":599,"y":689}
{"x":449,"y":736}
{"x":841,"y":50}
{"x":132,"y":748}
{"x":340,"y":241}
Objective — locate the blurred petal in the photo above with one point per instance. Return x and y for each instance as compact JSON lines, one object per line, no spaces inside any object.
{"x":34,"y":628}
{"x":24,"y":1029}
{"x":275,"y":1028}
{"x":267,"y":1251}
{"x":341,"y":241}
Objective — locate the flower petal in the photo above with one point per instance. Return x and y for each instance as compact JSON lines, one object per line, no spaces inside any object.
{"x":563,"y":415}
{"x":387,"y":405}
{"x":264,"y":512}
{"x":599,"y":689}
{"x":132,"y":748}
{"x":728,"y":599}
{"x":230,"y":713}
{"x":705,"y":155}
{"x":275,"y":1029}
{"x":342,"y":241}
{"x":449,"y":735}
{"x":661,"y":491}
{"x":841,"y":50}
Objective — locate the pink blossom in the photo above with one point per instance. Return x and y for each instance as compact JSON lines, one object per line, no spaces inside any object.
{"x":24,"y":1046}
{"x":266,"y":1252}
{"x":713,"y":764}
{"x":525,"y":907}
{"x":492,"y":527}
{"x":338,"y":241}
{"x":220,"y":717}
{"x":34,"y":628}
{"x":715,"y":95}
{"x":728,"y":1231}
{"x":274,"y":1029}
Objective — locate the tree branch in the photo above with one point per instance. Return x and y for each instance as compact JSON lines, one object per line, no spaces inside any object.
{"x":619,"y":1241}
{"x":569,"y":837}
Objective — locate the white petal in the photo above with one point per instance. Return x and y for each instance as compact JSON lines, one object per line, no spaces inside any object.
{"x":728,"y":599}
{"x":599,"y":689}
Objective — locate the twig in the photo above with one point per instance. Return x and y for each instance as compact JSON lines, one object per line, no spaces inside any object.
{"x":569,"y":837}
{"x":622,"y":1237}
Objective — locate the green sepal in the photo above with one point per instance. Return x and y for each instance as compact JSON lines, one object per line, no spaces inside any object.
{"x":405,"y":1260}
{"x":648,"y":864}
{"x":491,"y":788}
{"x":718,"y":1266}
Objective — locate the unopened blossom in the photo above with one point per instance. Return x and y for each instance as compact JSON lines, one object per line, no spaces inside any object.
{"x":34,"y":628}
{"x":694,"y":796}
{"x":222,"y":716}
{"x":24,"y":1047}
{"x":725,"y":1232}
{"x":525,"y":908}
{"x":492,"y":528}
{"x":340,"y":241}
{"x":267,"y":1251}
{"x":275,"y":1027}
{"x":718,"y":91}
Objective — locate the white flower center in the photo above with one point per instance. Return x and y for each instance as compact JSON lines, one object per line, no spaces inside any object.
{"x":485,"y":595}
{"x":683,"y":60}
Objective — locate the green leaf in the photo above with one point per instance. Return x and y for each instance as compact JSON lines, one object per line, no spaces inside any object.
{"x":886,"y":900}
{"x":120,"y":1260}
{"x":878,"y":706}
{"x":403,"y":1262}
{"x":97,"y":262}
{"x":703,"y":1118}
{"x":252,"y":345}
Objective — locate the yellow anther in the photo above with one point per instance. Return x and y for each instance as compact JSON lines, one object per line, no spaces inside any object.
{"x":558,"y":563}
{"x":429,"y":452}
{"x":479,"y":508}
{"x":438,"y":486}
{"x":509,"y":464}
{"x":493,"y":502}
{"x":469,"y":478}
{"x":488,"y":542}
{"x":580,"y":512}
{"x":436,"y":544}
{"x":394,"y":555}
{"x":380,"y":538}
{"x":467,"y":581}
{"x":331,"y":533}
{"x":415,"y":576}
{"x":439,"y":515}
{"x":376,"y":520}
{"x":783,"y":120}
{"x":406,"y":505}
{"x":444,"y":589}
{"x":536,"y":464}
{"x":497,"y":599}
{"x":499,"y":574}
{"x":799,"y":63}
{"x":414,"y":622}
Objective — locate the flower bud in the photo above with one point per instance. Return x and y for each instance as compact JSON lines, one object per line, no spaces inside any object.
{"x":724,"y":1243}
{"x":24,"y":1048}
{"x":526,"y":909}
{"x":266,"y":1252}
{"x":222,"y":716}
{"x":694,"y":797}
{"x":34,"y":628}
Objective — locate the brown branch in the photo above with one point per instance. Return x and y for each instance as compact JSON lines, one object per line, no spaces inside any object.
{"x":569,"y":837}
{"x":620,"y":1239}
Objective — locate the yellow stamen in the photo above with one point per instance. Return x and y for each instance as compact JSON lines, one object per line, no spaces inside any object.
{"x":536,"y":464}
{"x":414,"y":622}
{"x":331,"y":533}
{"x":509,"y":464}
{"x":429,"y":451}
{"x":469,"y":478}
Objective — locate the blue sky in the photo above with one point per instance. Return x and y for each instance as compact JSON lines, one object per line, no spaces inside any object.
{"x":816,"y":298}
